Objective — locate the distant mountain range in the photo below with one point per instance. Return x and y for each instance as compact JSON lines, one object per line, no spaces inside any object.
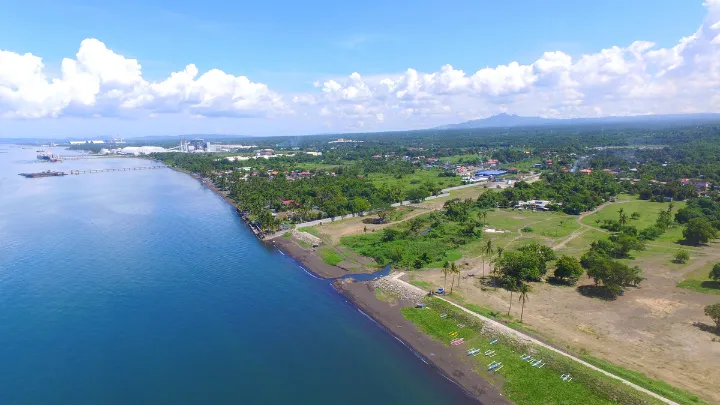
{"x":507,"y":120}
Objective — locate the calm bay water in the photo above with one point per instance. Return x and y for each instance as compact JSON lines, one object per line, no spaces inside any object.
{"x":145,"y":288}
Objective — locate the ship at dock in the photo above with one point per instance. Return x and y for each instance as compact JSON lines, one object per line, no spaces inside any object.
{"x":48,"y":173}
{"x":47,"y":156}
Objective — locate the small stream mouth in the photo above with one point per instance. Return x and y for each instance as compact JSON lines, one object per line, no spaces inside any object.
{"x":368,"y":277}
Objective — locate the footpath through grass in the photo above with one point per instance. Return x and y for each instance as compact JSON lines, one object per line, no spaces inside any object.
{"x":520,"y":382}
{"x":656,"y":386}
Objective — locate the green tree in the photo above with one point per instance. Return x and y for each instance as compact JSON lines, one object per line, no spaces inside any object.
{"x":699,"y":230}
{"x":681,"y":256}
{"x":383,"y":212}
{"x":715,"y":272}
{"x":664,"y":220}
{"x":622,"y":216}
{"x":523,"y":290}
{"x":569,"y":269}
{"x":611,"y":274}
{"x":713,"y":311}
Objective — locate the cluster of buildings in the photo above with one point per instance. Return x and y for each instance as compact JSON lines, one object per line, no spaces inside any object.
{"x":343,"y":140}
{"x":98,"y":142}
{"x":133,"y":150}
{"x":196,"y":145}
{"x":534,"y":205}
{"x":268,"y":154}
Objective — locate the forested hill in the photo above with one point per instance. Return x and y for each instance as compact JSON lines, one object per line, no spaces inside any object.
{"x":507,"y":121}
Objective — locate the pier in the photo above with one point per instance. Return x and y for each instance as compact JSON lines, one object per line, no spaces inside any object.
{"x":119,"y":169}
{"x":80,"y":157}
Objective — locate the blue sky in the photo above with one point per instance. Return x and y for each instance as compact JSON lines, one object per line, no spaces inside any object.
{"x":294,"y":48}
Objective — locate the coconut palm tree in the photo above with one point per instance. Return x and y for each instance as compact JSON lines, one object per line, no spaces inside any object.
{"x":511,"y":285}
{"x":486,"y":250}
{"x":445,"y":271}
{"x":523,"y":290}
{"x":454,"y":270}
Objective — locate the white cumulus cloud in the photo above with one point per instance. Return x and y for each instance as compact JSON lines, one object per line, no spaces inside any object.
{"x":101,"y":82}
{"x":634,"y":78}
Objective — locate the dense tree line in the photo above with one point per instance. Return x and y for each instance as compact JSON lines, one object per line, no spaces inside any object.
{"x":569,"y":192}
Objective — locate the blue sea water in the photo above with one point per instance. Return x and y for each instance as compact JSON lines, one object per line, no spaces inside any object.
{"x":144,"y":287}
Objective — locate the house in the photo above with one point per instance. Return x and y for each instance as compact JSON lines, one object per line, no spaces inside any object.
{"x":586,"y":171}
{"x":492,"y":162}
{"x":539,"y":205}
{"x":490,"y":173}
{"x":700,"y":186}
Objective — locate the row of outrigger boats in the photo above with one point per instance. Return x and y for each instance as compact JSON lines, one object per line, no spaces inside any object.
{"x":494,"y":366}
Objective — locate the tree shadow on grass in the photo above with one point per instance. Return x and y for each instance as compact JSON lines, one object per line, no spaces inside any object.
{"x":685,"y":242}
{"x":559,"y":282}
{"x":596,"y":291}
{"x":707,"y":328}
{"x":715,"y":285}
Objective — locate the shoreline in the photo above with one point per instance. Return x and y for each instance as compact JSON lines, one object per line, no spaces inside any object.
{"x":309,"y":259}
{"x":446,"y":360}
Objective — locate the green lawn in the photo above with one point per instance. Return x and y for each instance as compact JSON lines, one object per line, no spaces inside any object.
{"x":699,"y":281}
{"x":648,"y":212}
{"x":331,"y":256}
{"x":578,"y":246}
{"x":408,"y":181}
{"x":521,"y":383}
{"x":656,"y":386}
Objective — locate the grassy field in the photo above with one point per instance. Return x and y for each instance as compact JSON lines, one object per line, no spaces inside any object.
{"x":656,"y":386}
{"x":461,"y":158}
{"x":408,"y":181}
{"x":648,"y":212}
{"x":331,"y":256}
{"x":521,"y":383}
{"x":699,"y":281}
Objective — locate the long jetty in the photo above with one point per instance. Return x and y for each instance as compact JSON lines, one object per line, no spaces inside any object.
{"x":119,"y":169}
{"x":79,"y":157}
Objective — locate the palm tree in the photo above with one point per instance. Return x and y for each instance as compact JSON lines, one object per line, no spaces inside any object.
{"x":453,"y":270}
{"x":486,"y":250}
{"x":623,"y":216}
{"x":445,"y":271}
{"x":457,"y":271}
{"x":512,"y":283}
{"x":482,"y":215}
{"x":499,"y":252}
{"x":524,"y":289}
